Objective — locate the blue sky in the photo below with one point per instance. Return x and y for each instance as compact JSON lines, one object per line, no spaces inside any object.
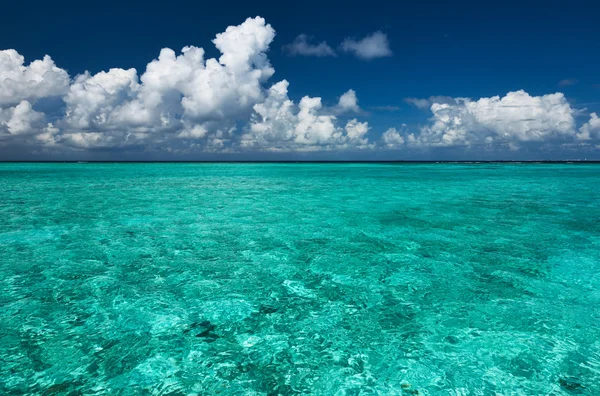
{"x":439,"y":51}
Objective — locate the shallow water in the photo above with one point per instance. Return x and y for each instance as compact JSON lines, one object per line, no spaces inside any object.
{"x":265,"y":279}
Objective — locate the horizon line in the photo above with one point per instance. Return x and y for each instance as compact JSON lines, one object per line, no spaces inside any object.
{"x":303,"y":161}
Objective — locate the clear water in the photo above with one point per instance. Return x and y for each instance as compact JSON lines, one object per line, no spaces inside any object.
{"x":327,"y":279}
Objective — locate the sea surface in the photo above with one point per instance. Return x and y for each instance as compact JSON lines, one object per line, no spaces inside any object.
{"x":298,"y":279}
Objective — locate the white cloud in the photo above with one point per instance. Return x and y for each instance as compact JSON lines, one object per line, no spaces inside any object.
{"x":509,"y":121}
{"x":512,"y":119}
{"x":21,"y":123}
{"x":392,"y":138}
{"x":90,"y":140}
{"x":194,"y":132}
{"x":591,"y":129}
{"x":21,"y":119}
{"x":348,"y":102}
{"x":280,"y":125}
{"x":179,"y":96}
{"x":356,"y":131}
{"x":41,"y":78}
{"x":273,"y":120}
{"x":370,"y":47}
{"x":302,"y":46}
{"x":313,"y":128}
{"x":94,"y":101}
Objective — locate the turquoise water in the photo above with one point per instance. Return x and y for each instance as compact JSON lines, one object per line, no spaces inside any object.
{"x":326,"y":279}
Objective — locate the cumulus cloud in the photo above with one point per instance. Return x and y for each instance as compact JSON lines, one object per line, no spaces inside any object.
{"x":39,"y":79}
{"x":356,"y":131}
{"x":21,"y":119}
{"x":508,"y":121}
{"x":392,"y":138}
{"x":591,"y":129}
{"x":20,"y":123}
{"x":302,"y":46}
{"x":278,"y":124}
{"x":179,"y":96}
{"x":373,"y":46}
{"x":348,"y":102}
{"x":92,"y":101}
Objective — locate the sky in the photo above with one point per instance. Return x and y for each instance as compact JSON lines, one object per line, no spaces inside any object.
{"x":326,"y":80}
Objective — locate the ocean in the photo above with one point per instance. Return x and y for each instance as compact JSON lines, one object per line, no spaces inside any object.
{"x":322,"y":279}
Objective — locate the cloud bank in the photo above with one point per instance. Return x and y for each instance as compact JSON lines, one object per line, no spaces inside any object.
{"x":187,"y":103}
{"x":511,"y":122}
{"x":181,"y":101}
